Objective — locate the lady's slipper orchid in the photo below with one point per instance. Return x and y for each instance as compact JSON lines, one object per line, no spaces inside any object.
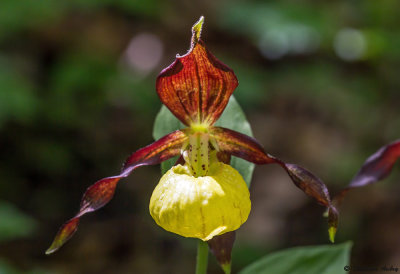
{"x":202,"y":196}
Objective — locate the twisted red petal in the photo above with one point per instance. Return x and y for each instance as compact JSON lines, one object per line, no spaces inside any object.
{"x":309,"y":183}
{"x":248,"y":148}
{"x":159,"y":151}
{"x":377,"y":167}
{"x":101,"y":192}
{"x":196,"y":87}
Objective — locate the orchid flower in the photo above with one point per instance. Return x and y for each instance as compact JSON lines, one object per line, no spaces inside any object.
{"x":202,"y":196}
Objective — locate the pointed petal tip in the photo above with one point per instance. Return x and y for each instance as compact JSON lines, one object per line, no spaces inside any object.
{"x":226,"y":268}
{"x":196,"y":29}
{"x":65,"y":233}
{"x":221,"y":246}
{"x":51,"y":250}
{"x":332,"y":233}
{"x":55,"y":245}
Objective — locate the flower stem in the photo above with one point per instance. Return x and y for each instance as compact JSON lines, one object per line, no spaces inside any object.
{"x":202,"y":257}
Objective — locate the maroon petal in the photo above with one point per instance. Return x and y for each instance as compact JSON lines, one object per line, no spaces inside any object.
{"x":100,"y":193}
{"x":248,"y":148}
{"x":196,"y":87}
{"x":159,"y":151}
{"x":377,"y":167}
{"x":240,"y":145}
{"x":314,"y":187}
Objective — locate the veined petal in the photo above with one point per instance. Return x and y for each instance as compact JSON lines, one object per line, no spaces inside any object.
{"x":159,"y":151}
{"x":196,"y":87}
{"x":377,"y":167}
{"x":101,"y":192}
{"x":248,"y":148}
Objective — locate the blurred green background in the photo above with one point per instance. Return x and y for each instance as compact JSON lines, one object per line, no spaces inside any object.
{"x":319,"y":82}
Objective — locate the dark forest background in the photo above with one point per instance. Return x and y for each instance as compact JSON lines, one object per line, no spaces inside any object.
{"x":318,"y":80}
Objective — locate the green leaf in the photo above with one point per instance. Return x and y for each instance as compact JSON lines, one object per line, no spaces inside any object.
{"x":166,"y":123}
{"x":233,"y":118}
{"x":327,"y":259}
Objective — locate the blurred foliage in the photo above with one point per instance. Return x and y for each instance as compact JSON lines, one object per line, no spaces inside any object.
{"x":26,"y":14}
{"x":18,"y":225}
{"x":7,"y":268}
{"x":319,"y":83}
{"x":14,"y":225}
{"x":17,"y":99}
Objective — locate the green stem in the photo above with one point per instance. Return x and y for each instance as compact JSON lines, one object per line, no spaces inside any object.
{"x":202,"y":257}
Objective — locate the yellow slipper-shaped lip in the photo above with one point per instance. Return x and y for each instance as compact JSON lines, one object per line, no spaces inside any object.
{"x":201,"y":207}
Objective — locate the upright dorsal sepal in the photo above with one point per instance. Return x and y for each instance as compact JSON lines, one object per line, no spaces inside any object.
{"x":196,"y":87}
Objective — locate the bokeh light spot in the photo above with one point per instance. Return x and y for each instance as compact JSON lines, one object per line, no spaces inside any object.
{"x":144,"y":52}
{"x":350,"y":44}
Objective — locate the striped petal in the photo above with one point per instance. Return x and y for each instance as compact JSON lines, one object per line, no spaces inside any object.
{"x":196,"y":87}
